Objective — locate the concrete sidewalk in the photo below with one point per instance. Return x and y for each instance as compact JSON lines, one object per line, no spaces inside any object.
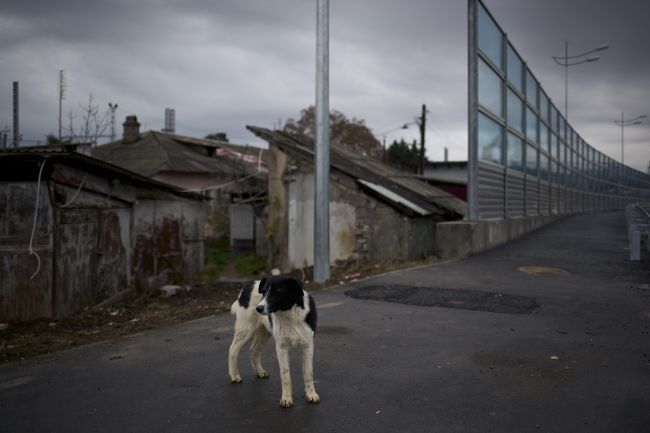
{"x":577,"y":360}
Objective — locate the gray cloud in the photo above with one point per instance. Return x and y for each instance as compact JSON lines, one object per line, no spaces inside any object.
{"x":226,"y":64}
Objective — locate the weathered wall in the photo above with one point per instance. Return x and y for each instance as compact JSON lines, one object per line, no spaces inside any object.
{"x":92,"y":239}
{"x":361,"y":226}
{"x":277,"y":220}
{"x":387,"y":234}
{"x":22,"y":297}
{"x":301,"y":223}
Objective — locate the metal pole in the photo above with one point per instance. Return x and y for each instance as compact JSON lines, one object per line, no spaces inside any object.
{"x":622,"y":138}
{"x":16,"y":117}
{"x":423,"y":125}
{"x":472,"y":105}
{"x":322,"y":163}
{"x":566,"y":79}
{"x":61,"y":95}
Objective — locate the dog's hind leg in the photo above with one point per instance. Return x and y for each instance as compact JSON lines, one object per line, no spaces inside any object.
{"x":308,"y":374}
{"x":241,"y":337}
{"x":260,"y":337}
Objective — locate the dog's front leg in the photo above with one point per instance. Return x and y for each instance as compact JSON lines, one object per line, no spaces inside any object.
{"x":241,"y":337}
{"x":285,"y":374}
{"x":308,"y":373}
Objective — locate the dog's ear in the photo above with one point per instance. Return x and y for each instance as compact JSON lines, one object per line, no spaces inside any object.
{"x":262,"y":286}
{"x":295,"y":284}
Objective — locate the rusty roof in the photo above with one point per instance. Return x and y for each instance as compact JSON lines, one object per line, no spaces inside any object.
{"x":157,"y":152}
{"x":431,"y":199}
{"x":11,"y":157}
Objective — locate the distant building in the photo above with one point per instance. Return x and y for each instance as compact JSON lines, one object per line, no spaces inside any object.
{"x":376,"y":212}
{"x":226,"y":173}
{"x":450,"y":176}
{"x":97,"y":230}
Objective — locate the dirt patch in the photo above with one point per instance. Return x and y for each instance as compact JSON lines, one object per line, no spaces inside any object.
{"x":134,"y":313}
{"x":541,"y":270}
{"x":138,"y":312}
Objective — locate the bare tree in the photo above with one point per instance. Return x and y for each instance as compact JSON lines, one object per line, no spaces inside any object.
{"x":93,"y":124}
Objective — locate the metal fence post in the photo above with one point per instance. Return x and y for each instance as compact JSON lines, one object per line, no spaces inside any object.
{"x":472,"y":107}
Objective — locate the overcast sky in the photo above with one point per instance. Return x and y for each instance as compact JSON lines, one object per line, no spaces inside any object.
{"x":223,"y":64}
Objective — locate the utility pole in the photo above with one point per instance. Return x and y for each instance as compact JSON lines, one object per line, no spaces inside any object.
{"x":322,"y":147}
{"x":5,"y":134}
{"x":61,"y":98}
{"x":113,"y":107}
{"x":16,"y":142}
{"x":423,"y":124}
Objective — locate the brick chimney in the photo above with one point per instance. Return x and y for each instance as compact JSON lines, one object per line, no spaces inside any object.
{"x":131,"y":132}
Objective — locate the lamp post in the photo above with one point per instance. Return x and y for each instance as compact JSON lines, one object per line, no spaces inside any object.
{"x":574,"y":60}
{"x":385,"y":133}
{"x":623,"y":123}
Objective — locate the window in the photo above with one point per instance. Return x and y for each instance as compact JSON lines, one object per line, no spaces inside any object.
{"x":543,"y":136}
{"x":515,"y":69}
{"x":515,"y":159}
{"x":554,"y":125}
{"x":554,"y":146}
{"x":531,"y":160}
{"x":490,"y":136}
{"x":531,"y":125}
{"x":531,"y":89}
{"x":489,"y":37}
{"x":490,"y":88}
{"x":543,"y":106}
{"x":515,"y":111}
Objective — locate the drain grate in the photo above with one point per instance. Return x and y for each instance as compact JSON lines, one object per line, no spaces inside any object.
{"x":466,"y":299}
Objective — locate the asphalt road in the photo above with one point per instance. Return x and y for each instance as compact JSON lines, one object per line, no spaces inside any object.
{"x":577,"y":359}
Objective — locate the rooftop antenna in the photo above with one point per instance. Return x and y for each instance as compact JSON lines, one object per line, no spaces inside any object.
{"x":61,"y":98}
{"x":16,"y":142}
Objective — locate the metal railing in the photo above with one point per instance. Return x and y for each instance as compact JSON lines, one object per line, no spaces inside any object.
{"x":637,"y":216}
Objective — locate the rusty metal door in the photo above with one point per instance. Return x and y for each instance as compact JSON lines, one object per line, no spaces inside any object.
{"x":112,"y":252}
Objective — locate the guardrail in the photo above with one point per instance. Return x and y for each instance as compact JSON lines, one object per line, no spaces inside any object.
{"x":638,"y":228}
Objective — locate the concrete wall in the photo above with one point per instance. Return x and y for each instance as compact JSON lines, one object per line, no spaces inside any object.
{"x":458,"y":239}
{"x":362,"y":227}
{"x":301,"y":224}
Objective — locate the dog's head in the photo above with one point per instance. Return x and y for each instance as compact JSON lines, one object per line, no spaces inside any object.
{"x":280,"y":293}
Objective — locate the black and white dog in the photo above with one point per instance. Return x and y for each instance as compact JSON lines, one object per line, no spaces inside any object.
{"x":277,"y":306}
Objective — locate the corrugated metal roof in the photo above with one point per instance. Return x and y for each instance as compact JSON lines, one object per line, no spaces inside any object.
{"x":94,"y":165}
{"x":157,"y":152}
{"x":404,"y":185}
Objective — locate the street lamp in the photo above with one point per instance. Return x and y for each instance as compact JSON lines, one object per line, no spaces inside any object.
{"x":385,"y":133}
{"x":623,"y":123}
{"x":574,"y":60}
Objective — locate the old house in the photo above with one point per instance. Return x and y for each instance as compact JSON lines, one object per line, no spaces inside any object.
{"x":376,"y":212}
{"x":75,"y":230}
{"x":450,"y":176}
{"x":226,"y":173}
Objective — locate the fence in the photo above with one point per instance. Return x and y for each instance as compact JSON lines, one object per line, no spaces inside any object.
{"x":525,"y":159}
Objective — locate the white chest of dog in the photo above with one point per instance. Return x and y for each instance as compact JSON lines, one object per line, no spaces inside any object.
{"x":277,"y":306}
